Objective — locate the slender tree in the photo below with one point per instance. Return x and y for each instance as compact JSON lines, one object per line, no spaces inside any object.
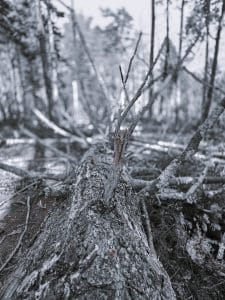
{"x":181,"y":28}
{"x":152,"y":44}
{"x":214,"y":65}
{"x":167,"y":38}
{"x":45,"y":58}
{"x":205,"y":88}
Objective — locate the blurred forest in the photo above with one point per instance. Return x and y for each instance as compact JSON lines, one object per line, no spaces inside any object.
{"x":101,"y":115}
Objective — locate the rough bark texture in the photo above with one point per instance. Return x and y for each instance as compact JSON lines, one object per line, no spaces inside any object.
{"x":89,"y":249}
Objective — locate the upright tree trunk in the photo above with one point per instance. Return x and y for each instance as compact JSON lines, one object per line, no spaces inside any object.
{"x":214,"y":66}
{"x":167,"y":39}
{"x":152,"y":45}
{"x":52,"y":57}
{"x":14,"y":79}
{"x":205,"y":88}
{"x":46,"y":74}
{"x":45,"y":59}
{"x":91,"y":248}
{"x":181,"y":29}
{"x":73,"y":20}
{"x":177,"y":86}
{"x":21,"y":81}
{"x":27,"y":83}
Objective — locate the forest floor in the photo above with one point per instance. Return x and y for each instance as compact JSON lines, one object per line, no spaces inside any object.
{"x":192,"y":278}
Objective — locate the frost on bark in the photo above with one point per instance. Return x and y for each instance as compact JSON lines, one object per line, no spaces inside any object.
{"x":90,"y":249}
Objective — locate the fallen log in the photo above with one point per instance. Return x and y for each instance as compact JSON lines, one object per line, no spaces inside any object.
{"x":185,"y":181}
{"x":82,"y":141}
{"x":30,"y":175}
{"x":43,"y":143}
{"x":89,"y":248}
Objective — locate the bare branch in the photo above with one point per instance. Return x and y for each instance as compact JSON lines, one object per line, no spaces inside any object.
{"x":91,"y":59}
{"x":12,"y":254}
{"x":192,"y":147}
{"x":124,"y":85}
{"x":82,"y":141}
{"x":187,"y":52}
{"x":17,"y":171}
{"x":140,"y":90}
{"x":150,"y":103}
{"x":33,"y":175}
{"x":185,"y":181}
{"x":132,"y":57}
{"x":38,"y":140}
{"x":191,"y":193}
{"x":202,"y":81}
{"x":177,"y":68}
{"x":85,"y":46}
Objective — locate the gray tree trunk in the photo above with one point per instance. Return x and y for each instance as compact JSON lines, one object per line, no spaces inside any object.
{"x":90,"y":249}
{"x":208,"y":101}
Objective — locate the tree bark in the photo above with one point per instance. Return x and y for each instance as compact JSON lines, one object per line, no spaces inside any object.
{"x":152,"y":46}
{"x":214,"y":66}
{"x":45,"y":59}
{"x":90,"y":248}
{"x":205,"y":88}
{"x":167,"y":39}
{"x":181,"y":29}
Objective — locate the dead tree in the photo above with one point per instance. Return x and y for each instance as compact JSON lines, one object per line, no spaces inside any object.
{"x":93,"y":245}
{"x":207,"y":22}
{"x":91,"y":248}
{"x":45,"y":59}
{"x":208,"y":101}
{"x":152,"y":44}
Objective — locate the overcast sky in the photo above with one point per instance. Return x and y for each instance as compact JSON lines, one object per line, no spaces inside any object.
{"x":141,"y":12}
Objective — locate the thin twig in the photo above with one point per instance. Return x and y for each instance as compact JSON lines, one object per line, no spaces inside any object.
{"x":14,"y":232}
{"x":139,"y":90}
{"x":124,"y":85}
{"x":18,"y":192}
{"x":85,"y":46}
{"x":86,"y":49}
{"x":150,"y":103}
{"x":132,"y":57}
{"x":202,"y":81}
{"x":166,"y":82}
{"x":188,"y":50}
{"x":10,"y":257}
{"x":191,"y":193}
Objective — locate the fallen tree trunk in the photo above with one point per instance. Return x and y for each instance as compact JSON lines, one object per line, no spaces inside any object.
{"x":90,"y":248}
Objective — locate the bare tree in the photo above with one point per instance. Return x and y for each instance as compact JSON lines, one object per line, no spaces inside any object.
{"x":152,"y":45}
{"x":45,"y":58}
{"x":181,"y":28}
{"x":93,"y":244}
{"x":208,"y":100}
{"x":206,"y":69}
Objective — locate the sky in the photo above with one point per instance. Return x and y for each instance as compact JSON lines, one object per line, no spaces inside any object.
{"x":140,"y":10}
